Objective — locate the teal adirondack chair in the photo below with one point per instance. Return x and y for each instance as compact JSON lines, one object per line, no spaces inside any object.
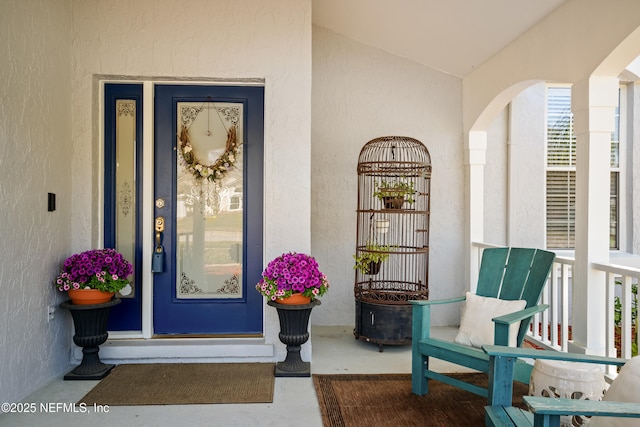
{"x":506,"y":274}
{"x":545,"y":411}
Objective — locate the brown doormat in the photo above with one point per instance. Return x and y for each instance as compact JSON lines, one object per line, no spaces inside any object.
{"x":386,"y":400}
{"x":184,"y":383}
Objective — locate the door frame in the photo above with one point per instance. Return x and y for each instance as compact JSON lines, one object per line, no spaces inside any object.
{"x":147,"y":190}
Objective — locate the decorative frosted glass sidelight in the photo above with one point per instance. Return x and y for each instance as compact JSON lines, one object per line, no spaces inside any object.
{"x":125,"y":221}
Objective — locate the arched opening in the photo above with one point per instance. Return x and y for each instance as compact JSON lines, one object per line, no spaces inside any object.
{"x":507,"y":189}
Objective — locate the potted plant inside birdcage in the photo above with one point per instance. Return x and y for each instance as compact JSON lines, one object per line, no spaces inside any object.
{"x":370,"y":258}
{"x":394,"y":194}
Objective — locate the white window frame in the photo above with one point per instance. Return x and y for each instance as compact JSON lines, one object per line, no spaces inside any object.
{"x":621,"y":200}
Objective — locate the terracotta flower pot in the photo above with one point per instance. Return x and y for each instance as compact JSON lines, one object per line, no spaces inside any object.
{"x":89,"y":296}
{"x":295,"y":299}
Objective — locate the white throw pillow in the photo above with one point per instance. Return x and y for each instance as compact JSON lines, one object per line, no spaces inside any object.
{"x":476,"y":326}
{"x":625,"y":388}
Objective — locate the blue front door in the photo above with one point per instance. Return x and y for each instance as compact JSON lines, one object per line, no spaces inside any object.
{"x":212,"y":237}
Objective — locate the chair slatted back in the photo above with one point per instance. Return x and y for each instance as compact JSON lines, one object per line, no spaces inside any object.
{"x":491,"y":271}
{"x":513,"y":274}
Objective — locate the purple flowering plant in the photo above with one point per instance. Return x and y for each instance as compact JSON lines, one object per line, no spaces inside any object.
{"x":292,"y":273}
{"x":103,"y":269}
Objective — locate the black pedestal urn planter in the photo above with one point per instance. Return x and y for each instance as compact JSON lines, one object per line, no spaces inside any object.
{"x":294,"y":331}
{"x":90,"y":323}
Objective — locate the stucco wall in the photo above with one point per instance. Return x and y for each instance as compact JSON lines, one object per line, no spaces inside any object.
{"x":360,"y":93}
{"x":515,"y":172}
{"x":495,"y":180}
{"x":35,"y":129}
{"x":527,"y":176}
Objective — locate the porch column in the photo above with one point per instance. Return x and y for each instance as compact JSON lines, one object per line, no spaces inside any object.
{"x":633,"y":167}
{"x":475,"y":159}
{"x":593,"y":103}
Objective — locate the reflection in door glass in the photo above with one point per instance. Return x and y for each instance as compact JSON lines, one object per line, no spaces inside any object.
{"x":209,"y":200}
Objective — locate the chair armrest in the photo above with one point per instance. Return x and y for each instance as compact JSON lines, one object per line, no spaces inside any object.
{"x":519,"y":352}
{"x":520,"y":315}
{"x":502,"y":323}
{"x":502,"y":361}
{"x":421,"y":317}
{"x":438,"y":301}
{"x":553,"y":406}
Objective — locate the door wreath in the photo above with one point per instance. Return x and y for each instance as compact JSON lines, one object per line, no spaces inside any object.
{"x":216,"y":170}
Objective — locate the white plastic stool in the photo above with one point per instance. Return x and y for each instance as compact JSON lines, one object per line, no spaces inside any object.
{"x":567,"y":380}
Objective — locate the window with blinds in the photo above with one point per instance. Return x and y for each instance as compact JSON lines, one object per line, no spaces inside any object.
{"x":561,"y":172}
{"x":561,"y":141}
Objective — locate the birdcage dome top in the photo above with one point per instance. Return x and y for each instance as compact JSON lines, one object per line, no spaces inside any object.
{"x":395,"y":156}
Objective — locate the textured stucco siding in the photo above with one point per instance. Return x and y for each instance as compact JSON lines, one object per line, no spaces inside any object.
{"x":35,"y":130}
{"x":361,"y":93}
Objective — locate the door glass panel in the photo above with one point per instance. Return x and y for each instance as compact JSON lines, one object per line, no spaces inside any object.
{"x":209,"y":200}
{"x":125,"y":221}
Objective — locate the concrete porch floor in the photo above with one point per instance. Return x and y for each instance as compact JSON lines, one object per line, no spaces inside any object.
{"x":335,"y":351}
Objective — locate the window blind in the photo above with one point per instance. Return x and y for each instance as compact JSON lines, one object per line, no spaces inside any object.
{"x":561,"y":174}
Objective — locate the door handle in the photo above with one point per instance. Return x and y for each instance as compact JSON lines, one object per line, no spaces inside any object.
{"x":157,"y":263}
{"x":159,"y":231}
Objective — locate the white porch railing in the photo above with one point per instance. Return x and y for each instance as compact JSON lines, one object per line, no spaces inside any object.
{"x":623,"y":300}
{"x":554,"y":324}
{"x":553,"y":329}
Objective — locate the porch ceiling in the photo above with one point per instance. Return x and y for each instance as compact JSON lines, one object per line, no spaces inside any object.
{"x":453,"y":36}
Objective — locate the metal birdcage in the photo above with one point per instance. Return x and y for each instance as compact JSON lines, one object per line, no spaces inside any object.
{"x":394,"y":180}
